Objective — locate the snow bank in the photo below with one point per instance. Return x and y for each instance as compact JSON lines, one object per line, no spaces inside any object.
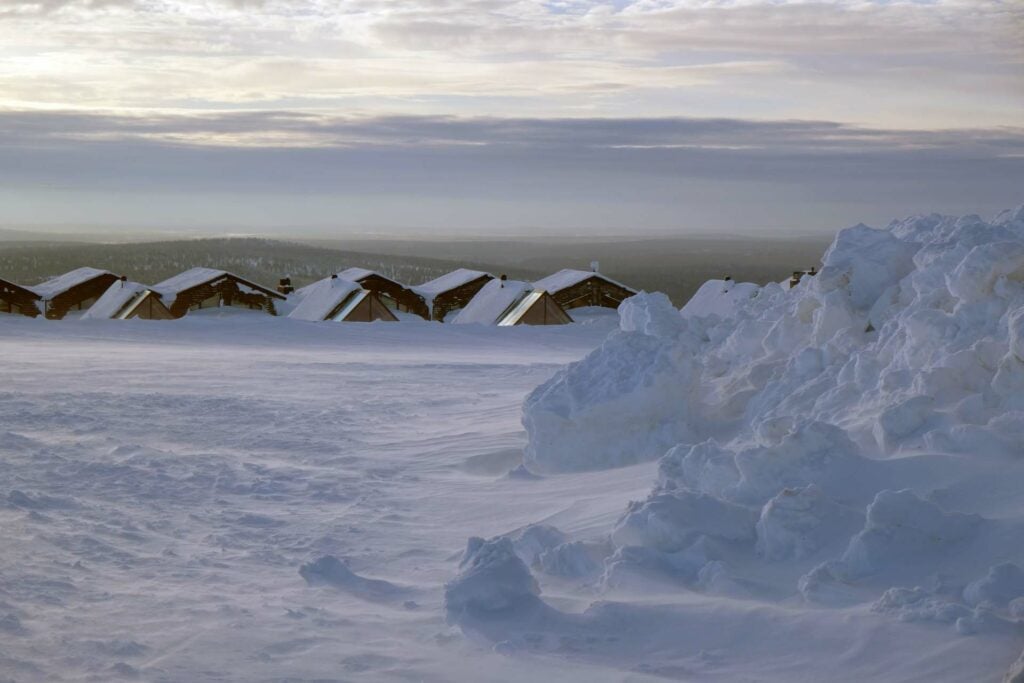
{"x":908,"y":339}
{"x":822,"y":429}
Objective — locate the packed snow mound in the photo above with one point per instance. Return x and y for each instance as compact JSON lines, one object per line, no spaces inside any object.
{"x":902,"y":528}
{"x":908,"y":339}
{"x":1003,"y":584}
{"x":493,"y":580}
{"x":832,"y":436}
{"x":651,"y":314}
{"x":796,"y":523}
{"x":330,"y":571}
{"x":721,"y":298}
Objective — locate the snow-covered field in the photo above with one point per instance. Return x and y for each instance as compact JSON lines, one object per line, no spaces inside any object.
{"x":162,"y":484}
{"x":813,"y":484}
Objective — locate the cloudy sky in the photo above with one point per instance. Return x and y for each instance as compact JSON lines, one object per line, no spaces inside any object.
{"x":438,"y":116}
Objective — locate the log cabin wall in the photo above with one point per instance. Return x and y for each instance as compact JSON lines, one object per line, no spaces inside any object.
{"x":79,"y":297}
{"x":544,"y":311}
{"x":18,"y":300}
{"x":152,"y":308}
{"x":225,"y":291}
{"x":594,"y":291}
{"x":458,"y":297}
{"x":404,"y":298}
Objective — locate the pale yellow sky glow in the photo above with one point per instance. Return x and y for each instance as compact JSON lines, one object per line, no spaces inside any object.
{"x":949,"y":63}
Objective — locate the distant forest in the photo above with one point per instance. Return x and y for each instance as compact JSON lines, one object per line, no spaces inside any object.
{"x":676,"y":266}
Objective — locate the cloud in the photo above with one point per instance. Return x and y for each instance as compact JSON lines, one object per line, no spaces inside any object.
{"x":935,"y":63}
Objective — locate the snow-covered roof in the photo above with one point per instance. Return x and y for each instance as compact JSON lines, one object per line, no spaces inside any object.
{"x":63,"y":283}
{"x":18,"y":288}
{"x":114,"y":300}
{"x":448,"y":282}
{"x":493,"y":301}
{"x":719,"y":297}
{"x":357,"y":274}
{"x":567,"y":277}
{"x":194,"y":277}
{"x":322,"y":297}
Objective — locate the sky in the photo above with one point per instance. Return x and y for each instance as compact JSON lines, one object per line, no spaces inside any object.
{"x":436,"y":117}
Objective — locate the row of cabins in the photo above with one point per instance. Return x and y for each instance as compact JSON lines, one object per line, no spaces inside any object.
{"x":353,"y":295}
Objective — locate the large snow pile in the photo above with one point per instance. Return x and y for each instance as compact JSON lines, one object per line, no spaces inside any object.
{"x":910,"y":338}
{"x":844,"y":442}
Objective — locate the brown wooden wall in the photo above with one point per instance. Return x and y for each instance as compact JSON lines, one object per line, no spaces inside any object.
{"x":17,"y":300}
{"x":594,"y":291}
{"x":79,"y":297}
{"x":371,"y":308}
{"x":226,"y":290}
{"x":152,"y":308}
{"x":545,"y":311}
{"x":404,"y":298}
{"x":457,"y":298}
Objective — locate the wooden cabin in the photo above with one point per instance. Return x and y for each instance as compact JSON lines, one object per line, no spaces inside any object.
{"x":18,"y":300}
{"x":576,"y":288}
{"x":451,"y":291}
{"x":125,"y":300}
{"x":390,"y":291}
{"x":508,"y":302}
{"x":201,"y":288}
{"x":73,"y":291}
{"x":337,"y":300}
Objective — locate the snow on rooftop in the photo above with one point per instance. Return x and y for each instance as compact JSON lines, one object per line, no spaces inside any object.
{"x":357,"y":274}
{"x":63,"y":283}
{"x":114,"y":300}
{"x":568,"y":277}
{"x":719,"y":297}
{"x":448,"y":281}
{"x":192,"y":277}
{"x":492,"y":301}
{"x":322,"y":297}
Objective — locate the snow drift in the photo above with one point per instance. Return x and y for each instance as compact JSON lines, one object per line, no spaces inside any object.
{"x":845,"y":432}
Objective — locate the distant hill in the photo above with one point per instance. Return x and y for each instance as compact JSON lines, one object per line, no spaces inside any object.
{"x":676,"y":266}
{"x":261,"y":260}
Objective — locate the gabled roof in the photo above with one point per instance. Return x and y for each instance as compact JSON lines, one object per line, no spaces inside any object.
{"x":567,"y":277}
{"x":118,"y":296}
{"x":493,"y":302}
{"x":322,"y":297}
{"x":24,"y":291}
{"x":448,"y":282}
{"x":62,"y":283}
{"x":719,"y":297}
{"x":195,"y":277}
{"x":357,"y":274}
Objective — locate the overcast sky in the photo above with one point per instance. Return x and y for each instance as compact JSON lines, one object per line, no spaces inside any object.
{"x":442,"y":116}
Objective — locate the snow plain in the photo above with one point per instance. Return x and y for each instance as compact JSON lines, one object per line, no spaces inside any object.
{"x":817,"y":484}
{"x":163,"y":483}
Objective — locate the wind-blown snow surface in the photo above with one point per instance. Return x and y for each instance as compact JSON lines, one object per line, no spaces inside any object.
{"x":259,"y":499}
{"x":849,"y":453}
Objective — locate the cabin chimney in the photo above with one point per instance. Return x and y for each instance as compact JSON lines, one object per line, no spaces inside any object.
{"x":124,"y":279}
{"x":503,"y":278}
{"x":284,"y":285}
{"x":594,"y":266}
